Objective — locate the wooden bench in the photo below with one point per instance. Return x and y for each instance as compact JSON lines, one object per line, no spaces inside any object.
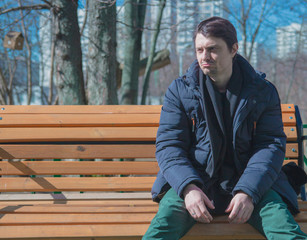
{"x":85,"y":199}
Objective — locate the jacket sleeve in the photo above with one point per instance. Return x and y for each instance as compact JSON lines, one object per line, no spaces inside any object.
{"x":268,"y":153}
{"x":173,"y":142}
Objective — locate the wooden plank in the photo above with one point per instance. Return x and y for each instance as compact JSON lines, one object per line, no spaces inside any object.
{"x":57,"y":209}
{"x":77,"y":168}
{"x":50,"y":151}
{"x":292,"y":150}
{"x":291,"y":133}
{"x":96,"y":218}
{"x":84,"y":202}
{"x":289,"y":119}
{"x":287,"y":108}
{"x":81,"y":231}
{"x":302,"y":205}
{"x":75,"y":196}
{"x":208,"y":231}
{"x":144,"y":109}
{"x":78,"y":119}
{"x":9,"y":135}
{"x":76,"y":151}
{"x":49,"y":184}
{"x":75,"y":218}
{"x":78,"y":134}
{"x":57,"y":109}
{"x":112,"y":203}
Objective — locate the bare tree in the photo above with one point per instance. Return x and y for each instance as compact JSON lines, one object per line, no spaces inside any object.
{"x":102,"y":53}
{"x":29,"y":56}
{"x":70,"y":83}
{"x":134,"y":20}
{"x":152,"y":50}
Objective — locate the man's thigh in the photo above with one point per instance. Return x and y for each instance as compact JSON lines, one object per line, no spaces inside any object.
{"x":172,"y":220}
{"x":273,"y":219}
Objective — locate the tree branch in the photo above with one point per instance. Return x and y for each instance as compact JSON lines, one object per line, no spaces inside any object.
{"x":261,"y":18}
{"x":29,"y":7}
{"x":85,"y":19}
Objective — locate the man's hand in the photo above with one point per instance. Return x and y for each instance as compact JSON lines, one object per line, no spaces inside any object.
{"x":241,"y":208}
{"x":196,"y":201}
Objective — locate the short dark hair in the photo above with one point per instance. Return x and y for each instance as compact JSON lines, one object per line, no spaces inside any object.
{"x":218,"y":27}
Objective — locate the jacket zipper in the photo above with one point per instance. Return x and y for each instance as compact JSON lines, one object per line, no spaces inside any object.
{"x":193,"y":124}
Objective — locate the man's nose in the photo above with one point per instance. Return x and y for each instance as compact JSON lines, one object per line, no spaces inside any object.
{"x":205,"y":55}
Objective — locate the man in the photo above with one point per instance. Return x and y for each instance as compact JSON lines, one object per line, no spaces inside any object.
{"x":220,"y":145}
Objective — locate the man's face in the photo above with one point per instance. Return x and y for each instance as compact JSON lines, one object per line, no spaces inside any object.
{"x":213,"y":55}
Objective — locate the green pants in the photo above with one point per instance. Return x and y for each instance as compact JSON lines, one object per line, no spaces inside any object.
{"x":270,"y":217}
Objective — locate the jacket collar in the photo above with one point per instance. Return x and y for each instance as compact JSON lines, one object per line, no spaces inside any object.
{"x":249,"y":74}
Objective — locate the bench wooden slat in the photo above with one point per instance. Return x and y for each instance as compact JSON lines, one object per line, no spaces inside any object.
{"x":291,"y":133}
{"x":94,"y":120}
{"x":74,"y":218}
{"x":116,"y":231}
{"x":92,"y":215}
{"x":81,"y":168}
{"x":291,"y":150}
{"x":50,"y":151}
{"x":76,"y":151}
{"x":55,"y":209}
{"x":74,"y":196}
{"x":75,"y":120}
{"x":50,"y":184}
{"x":91,"y":134}
{"x":289,"y":108}
{"x":95,"y":218}
{"x":84,"y":202}
{"x":123,"y":109}
{"x":103,"y":202}
{"x":78,"y":134}
{"x":77,"y":168}
{"x":289,"y":119}
{"x":88,"y":109}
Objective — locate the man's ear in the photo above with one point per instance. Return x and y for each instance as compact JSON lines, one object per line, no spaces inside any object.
{"x":234,"y":50}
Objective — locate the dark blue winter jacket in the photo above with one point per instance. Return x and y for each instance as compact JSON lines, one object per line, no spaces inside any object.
{"x":187,"y":151}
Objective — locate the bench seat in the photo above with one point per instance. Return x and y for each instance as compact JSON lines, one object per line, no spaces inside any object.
{"x":51,"y":188}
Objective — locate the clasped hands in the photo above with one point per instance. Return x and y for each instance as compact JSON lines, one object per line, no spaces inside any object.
{"x":240,"y":208}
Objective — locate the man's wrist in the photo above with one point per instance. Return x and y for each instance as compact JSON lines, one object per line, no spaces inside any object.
{"x":249,"y":197}
{"x":190,"y":187}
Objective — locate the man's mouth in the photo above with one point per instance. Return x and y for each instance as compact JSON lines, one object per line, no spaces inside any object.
{"x":205,"y":64}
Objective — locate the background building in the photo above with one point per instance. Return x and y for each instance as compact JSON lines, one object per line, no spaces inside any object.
{"x":291,"y":38}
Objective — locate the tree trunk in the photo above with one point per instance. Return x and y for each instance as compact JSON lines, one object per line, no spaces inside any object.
{"x":134,"y":18}
{"x":152,"y":51}
{"x":3,"y":89}
{"x":102,"y":53}
{"x":29,"y":60}
{"x":68,"y":53}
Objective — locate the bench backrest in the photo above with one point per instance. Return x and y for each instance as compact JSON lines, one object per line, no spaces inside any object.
{"x":29,"y":134}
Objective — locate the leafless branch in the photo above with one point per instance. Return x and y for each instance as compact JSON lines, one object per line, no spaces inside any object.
{"x":29,"y":7}
{"x":85,"y":18}
{"x":261,"y":18}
